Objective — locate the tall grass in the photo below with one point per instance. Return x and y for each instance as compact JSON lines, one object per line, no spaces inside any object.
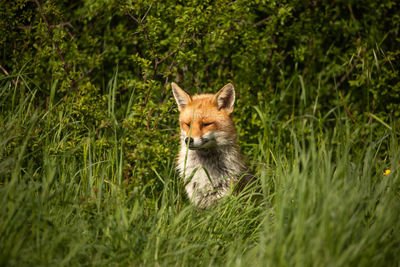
{"x":324,"y":202}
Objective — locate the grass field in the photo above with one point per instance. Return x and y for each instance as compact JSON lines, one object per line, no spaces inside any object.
{"x":327,"y":199}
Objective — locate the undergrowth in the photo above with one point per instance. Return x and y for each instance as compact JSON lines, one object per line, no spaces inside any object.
{"x":327,"y":197}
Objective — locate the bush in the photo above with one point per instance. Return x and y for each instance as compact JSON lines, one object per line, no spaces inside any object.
{"x":89,"y":131}
{"x":286,"y":58}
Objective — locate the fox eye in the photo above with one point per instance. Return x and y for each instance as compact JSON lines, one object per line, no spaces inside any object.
{"x":187,"y":124}
{"x":207,"y":124}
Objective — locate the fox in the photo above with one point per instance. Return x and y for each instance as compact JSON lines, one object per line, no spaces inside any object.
{"x":209,"y":160}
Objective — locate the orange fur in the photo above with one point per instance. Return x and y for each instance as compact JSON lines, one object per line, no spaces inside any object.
{"x":209,"y":154}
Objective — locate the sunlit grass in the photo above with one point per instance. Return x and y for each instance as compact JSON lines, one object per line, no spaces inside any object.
{"x":324,"y":202}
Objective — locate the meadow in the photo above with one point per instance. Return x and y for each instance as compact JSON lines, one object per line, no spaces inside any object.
{"x":327,"y":202}
{"x":89,"y":132}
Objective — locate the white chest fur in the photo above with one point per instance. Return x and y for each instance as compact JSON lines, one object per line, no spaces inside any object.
{"x":209,"y":175}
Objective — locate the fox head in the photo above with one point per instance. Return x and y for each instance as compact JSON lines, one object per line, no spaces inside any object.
{"x":205,"y":119}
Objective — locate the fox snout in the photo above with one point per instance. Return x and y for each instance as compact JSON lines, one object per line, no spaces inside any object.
{"x":189,"y":141}
{"x":198,"y":143}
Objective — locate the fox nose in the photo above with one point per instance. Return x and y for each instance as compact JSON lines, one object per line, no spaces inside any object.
{"x":190,"y":140}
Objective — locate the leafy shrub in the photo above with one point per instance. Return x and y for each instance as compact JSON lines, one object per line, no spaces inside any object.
{"x":288,"y":58}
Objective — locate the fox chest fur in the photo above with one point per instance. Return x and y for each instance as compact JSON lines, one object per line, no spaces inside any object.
{"x":209,"y":160}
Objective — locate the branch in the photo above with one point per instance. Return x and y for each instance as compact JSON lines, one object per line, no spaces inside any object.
{"x":139,"y":22}
{"x":345,"y":76}
{"x":50,"y":32}
{"x":84,"y":74}
{"x":147,"y":12}
{"x":132,"y":17}
{"x":261,"y":22}
{"x":348,"y":110}
{"x":7,"y":74}
{"x":4,"y":70}
{"x":342,"y":80}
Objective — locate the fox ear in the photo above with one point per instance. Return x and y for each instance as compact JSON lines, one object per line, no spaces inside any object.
{"x":225,"y":98}
{"x":182,"y":98}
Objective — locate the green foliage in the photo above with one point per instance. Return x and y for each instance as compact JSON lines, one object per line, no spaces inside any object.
{"x":324,"y":203}
{"x":286,"y":54}
{"x":89,"y":132}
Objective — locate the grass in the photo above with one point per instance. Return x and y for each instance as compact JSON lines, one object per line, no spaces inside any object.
{"x":325,"y":200}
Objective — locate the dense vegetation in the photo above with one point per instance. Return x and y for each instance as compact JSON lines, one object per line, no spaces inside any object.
{"x":89,"y":132}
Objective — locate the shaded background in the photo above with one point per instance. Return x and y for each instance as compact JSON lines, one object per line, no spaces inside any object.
{"x":108,"y":65}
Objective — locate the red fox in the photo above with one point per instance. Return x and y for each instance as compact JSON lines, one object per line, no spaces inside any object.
{"x":209,"y":160}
